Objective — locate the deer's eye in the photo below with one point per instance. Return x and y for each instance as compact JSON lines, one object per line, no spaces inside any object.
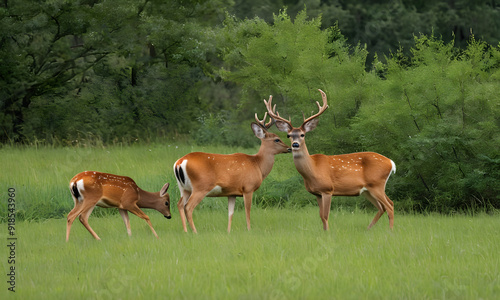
{"x":167,"y":204}
{"x":277,"y":140}
{"x":302,"y":135}
{"x":287,"y":136}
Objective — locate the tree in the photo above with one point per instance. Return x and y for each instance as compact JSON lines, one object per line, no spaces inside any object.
{"x":291,"y":60}
{"x":100,"y":52}
{"x":436,"y":117}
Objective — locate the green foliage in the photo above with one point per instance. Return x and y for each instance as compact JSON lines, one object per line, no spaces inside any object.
{"x":438,"y":120}
{"x":117,"y":69}
{"x":435,"y":113}
{"x":290,"y":60}
{"x":386,"y":26}
{"x":125,"y":72}
{"x":288,"y":193}
{"x":217,"y":130}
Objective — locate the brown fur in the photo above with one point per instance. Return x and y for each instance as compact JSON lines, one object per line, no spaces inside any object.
{"x":108,"y":190}
{"x":235,"y":174}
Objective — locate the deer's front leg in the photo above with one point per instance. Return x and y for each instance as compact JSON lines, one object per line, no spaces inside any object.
{"x":126,"y":220}
{"x":231,"y":202}
{"x":324,"y":203}
{"x":247,"y":198}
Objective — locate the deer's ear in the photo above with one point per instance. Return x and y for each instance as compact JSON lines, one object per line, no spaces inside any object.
{"x":258,"y":131}
{"x":283,"y":126}
{"x":164,"y":189}
{"x":310,"y":125}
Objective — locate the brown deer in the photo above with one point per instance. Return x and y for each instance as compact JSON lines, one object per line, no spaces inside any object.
{"x":362,"y":173}
{"x":201,"y":175}
{"x":91,"y":188}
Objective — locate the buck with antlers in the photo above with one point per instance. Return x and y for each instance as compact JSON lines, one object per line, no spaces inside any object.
{"x":107,"y":190}
{"x":363,"y":173}
{"x":202,"y":174}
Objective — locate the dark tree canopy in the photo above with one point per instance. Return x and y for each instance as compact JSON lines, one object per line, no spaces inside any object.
{"x":414,"y":80}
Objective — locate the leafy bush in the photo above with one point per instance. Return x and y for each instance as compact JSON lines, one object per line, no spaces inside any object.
{"x":435,"y":113}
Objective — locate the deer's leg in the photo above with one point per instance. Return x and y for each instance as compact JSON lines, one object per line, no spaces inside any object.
{"x":84,"y":217}
{"x":389,"y":200}
{"x":75,"y":212}
{"x":247,"y":198}
{"x":138,"y":212}
{"x":382,"y":203}
{"x":390,"y":211}
{"x":324,"y":203}
{"x":193,"y":201}
{"x":181,"y":205}
{"x":320,"y":205}
{"x":231,"y":202}
{"x":380,"y":208}
{"x":327,"y":204}
{"x":126,"y":220}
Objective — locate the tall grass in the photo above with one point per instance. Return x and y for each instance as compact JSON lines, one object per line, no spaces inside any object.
{"x":286,"y":255}
{"x":41,"y":175}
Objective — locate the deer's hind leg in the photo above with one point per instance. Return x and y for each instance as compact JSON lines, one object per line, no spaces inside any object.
{"x":383,"y":204}
{"x":84,"y":217}
{"x":181,"y":205}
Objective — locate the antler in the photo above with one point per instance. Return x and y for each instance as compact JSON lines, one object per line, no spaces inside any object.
{"x":262,"y":122}
{"x":273,"y":114}
{"x":321,"y":108}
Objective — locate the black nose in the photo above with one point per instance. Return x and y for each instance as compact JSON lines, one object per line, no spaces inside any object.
{"x":295,"y":145}
{"x":168,"y":217}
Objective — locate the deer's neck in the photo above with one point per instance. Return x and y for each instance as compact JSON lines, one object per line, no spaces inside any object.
{"x":303,"y":162}
{"x":148,"y":199}
{"x":265,"y":161}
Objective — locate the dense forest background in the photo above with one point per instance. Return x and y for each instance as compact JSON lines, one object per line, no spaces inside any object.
{"x":417,"y":81}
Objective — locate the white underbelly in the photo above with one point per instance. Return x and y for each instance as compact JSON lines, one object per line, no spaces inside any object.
{"x":216,"y":191}
{"x":102,"y":203}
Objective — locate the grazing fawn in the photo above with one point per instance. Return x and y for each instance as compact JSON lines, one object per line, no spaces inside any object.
{"x":107,"y":190}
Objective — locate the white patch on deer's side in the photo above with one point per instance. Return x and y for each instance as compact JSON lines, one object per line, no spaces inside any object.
{"x":101,"y":203}
{"x":217,"y":190}
{"x":80,"y":186}
{"x":363,"y":190}
{"x":71,"y":187}
{"x":187,"y":182}
{"x":185,"y":188}
{"x":393,"y":170}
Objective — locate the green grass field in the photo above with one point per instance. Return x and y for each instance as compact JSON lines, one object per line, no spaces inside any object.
{"x":286,"y":255}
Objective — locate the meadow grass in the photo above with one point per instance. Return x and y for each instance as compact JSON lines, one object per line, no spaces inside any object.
{"x":286,"y":255}
{"x":41,"y":175}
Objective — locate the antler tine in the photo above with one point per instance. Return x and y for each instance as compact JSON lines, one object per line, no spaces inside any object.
{"x":272,"y":111}
{"x":262,"y":122}
{"x":321,"y":108}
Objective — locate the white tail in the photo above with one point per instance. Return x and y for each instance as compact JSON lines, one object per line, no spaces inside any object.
{"x":202,"y":175}
{"x":325,"y":176}
{"x":107,"y":190}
